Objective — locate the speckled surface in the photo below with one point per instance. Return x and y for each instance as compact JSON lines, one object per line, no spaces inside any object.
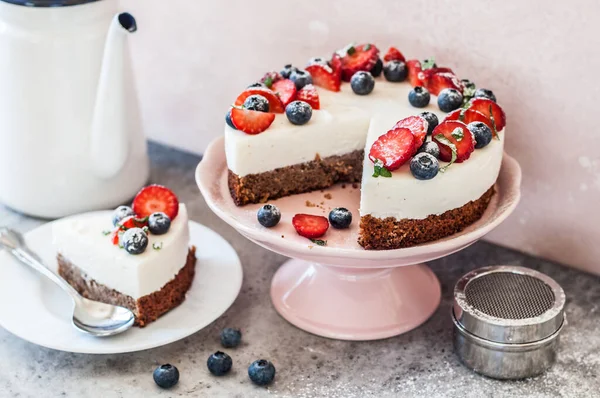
{"x":418,"y":363}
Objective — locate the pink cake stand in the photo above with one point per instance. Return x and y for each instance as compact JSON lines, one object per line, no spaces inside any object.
{"x":340,"y":290}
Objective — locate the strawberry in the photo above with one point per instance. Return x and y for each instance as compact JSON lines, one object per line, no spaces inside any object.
{"x":418,"y":127}
{"x":468,"y":116}
{"x":275,"y":104}
{"x":427,"y":73}
{"x":309,"y":94}
{"x":491,"y":110}
{"x":358,"y":58}
{"x":393,"y":54}
{"x":270,"y":77}
{"x":132,"y":222}
{"x":324,"y":76}
{"x":114,"y":236}
{"x":457,"y":134}
{"x":251,"y":122}
{"x":310,"y":226}
{"x":286,"y":90}
{"x":155,"y":198}
{"x":394,"y":148}
{"x":441,"y":80}
{"x":415,"y":74}
{"x":336,"y":65}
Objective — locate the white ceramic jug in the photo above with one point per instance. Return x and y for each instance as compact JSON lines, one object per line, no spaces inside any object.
{"x":70,"y":131}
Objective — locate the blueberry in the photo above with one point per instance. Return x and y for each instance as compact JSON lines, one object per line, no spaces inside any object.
{"x":166,"y":376}
{"x":431,"y":148}
{"x":340,"y":218}
{"x":256,"y":103}
{"x":159,"y":223}
{"x":419,"y":97}
{"x":482,"y":133}
{"x":219,"y":363}
{"x":287,"y":71}
{"x":378,"y":68}
{"x":230,"y":337}
{"x":395,"y":71}
{"x":432,"y":120}
{"x":135,"y":241}
{"x":449,"y":99}
{"x":362,"y":83}
{"x":484,"y":93}
{"x":261,"y":372}
{"x":228,"y":120}
{"x":298,"y":112}
{"x":424,"y":166}
{"x":120,"y":213}
{"x":268,"y":215}
{"x":301,"y":78}
{"x":257,"y":84}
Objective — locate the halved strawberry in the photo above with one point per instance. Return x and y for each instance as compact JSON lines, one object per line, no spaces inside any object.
{"x":456,"y":133}
{"x":286,"y":90}
{"x":441,"y":80}
{"x":275,"y":104}
{"x":417,"y":126}
{"x":336,"y":65}
{"x":491,"y":110}
{"x":415,"y":74}
{"x":393,"y":54}
{"x":394,"y":148}
{"x":132,"y":222}
{"x":309,"y":94}
{"x":155,"y":198}
{"x":251,"y":122}
{"x":310,"y":226}
{"x":427,"y":73}
{"x":324,"y":76}
{"x":468,"y":116}
{"x":358,"y":58}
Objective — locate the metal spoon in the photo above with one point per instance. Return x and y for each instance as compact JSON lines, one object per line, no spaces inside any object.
{"x":89,"y":316}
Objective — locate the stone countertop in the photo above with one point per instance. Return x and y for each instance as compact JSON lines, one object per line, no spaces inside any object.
{"x":417,"y":363}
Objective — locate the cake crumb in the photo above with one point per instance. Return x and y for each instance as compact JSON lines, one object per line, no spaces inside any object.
{"x":310,"y":204}
{"x":328,"y":196}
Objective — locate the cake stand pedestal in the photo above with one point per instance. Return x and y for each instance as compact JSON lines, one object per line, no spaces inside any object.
{"x":340,"y":290}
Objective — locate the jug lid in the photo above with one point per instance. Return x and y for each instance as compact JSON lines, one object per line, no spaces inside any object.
{"x":48,"y":3}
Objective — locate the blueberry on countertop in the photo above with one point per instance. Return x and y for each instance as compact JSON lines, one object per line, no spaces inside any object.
{"x":166,"y":376}
{"x":120,"y":213}
{"x":159,"y":223}
{"x":298,"y":112}
{"x":431,"y":148}
{"x":300,"y":78}
{"x":135,"y":241}
{"x":256,"y":102}
{"x":432,"y":121}
{"x":424,"y":166}
{"x":219,"y":363}
{"x":228,"y":120}
{"x":449,"y":99}
{"x":378,"y":68}
{"x":419,"y":97}
{"x":287,"y":71}
{"x":484,"y":93}
{"x":261,"y":372}
{"x":340,"y":218}
{"x":395,"y":71}
{"x":230,"y":337}
{"x":481,"y":132}
{"x":362,"y":83}
{"x":268,"y":215}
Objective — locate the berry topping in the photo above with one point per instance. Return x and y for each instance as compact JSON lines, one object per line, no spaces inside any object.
{"x":287,"y":71}
{"x":362,"y":83}
{"x":428,"y":73}
{"x":309,"y":95}
{"x":120,"y":213}
{"x":268,"y":215}
{"x":230,"y":337}
{"x":261,"y":372}
{"x":431,"y":148}
{"x":310,"y":226}
{"x":166,"y":376}
{"x":132,"y":222}
{"x":228,"y":120}
{"x":432,"y":120}
{"x":270,"y":77}
{"x":298,"y":112}
{"x":484,"y":93}
{"x":393,"y":54}
{"x":159,"y":223}
{"x":219,"y":363}
{"x":358,"y":58}
{"x":481,"y":132}
{"x":324,"y":76}
{"x":467,"y":84}
{"x":442,"y":80}
{"x":378,"y":68}
{"x":256,"y":103}
{"x":155,"y":198}
{"x":301,"y":78}
{"x":395,"y":71}
{"x":419,"y":97}
{"x":286,"y":90}
{"x":340,"y":218}
{"x":455,"y":141}
{"x":251,"y":122}
{"x":449,"y":99}
{"x":135,"y":241}
{"x":415,"y":74}
{"x":392,"y":150}
{"x":275,"y":104}
{"x":424,"y":166}
{"x":491,"y":110}
{"x":468,"y":116}
{"x":418,"y":126}
{"x":336,"y":65}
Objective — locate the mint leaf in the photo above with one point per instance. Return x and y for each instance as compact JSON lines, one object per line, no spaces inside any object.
{"x":106,"y":233}
{"x":319,"y":242}
{"x":428,"y":63}
{"x":351,"y":50}
{"x":268,"y":81}
{"x":458,"y":134}
{"x":461,"y":117}
{"x":380,"y":170}
{"x":442,"y":139}
{"x":157,"y":247}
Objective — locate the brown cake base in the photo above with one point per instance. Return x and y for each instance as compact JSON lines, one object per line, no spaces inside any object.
{"x":300,"y":178}
{"x":390,"y":233}
{"x":147,"y":308}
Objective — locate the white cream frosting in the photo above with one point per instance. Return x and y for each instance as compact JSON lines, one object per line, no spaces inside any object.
{"x":80,"y":239}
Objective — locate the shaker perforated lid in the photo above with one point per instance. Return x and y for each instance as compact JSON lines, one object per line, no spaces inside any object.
{"x":509,"y":304}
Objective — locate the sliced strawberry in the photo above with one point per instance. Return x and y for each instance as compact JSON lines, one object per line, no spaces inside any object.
{"x":491,"y":110}
{"x":155,"y":198}
{"x":418,"y":127}
{"x":310,"y":226}
{"x":441,"y":80}
{"x":469,"y":116}
{"x":114,"y":236}
{"x":394,"y":148}
{"x":458,"y":134}
{"x":324,"y":76}
{"x":427,"y":73}
{"x":270,"y":77}
{"x":358,"y":58}
{"x":393,"y":54}
{"x":286,"y":90}
{"x":309,"y":94}
{"x":275,"y":104}
{"x":336,"y":65}
{"x":132,"y":222}
{"x":415,"y":74}
{"x":251,"y":122}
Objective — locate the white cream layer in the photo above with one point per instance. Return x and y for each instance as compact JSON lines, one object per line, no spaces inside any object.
{"x":81,"y":241}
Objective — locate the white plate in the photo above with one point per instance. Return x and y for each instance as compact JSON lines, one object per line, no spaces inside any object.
{"x":36,"y":310}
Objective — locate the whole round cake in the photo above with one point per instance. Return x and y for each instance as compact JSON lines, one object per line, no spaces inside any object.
{"x":425,"y":145}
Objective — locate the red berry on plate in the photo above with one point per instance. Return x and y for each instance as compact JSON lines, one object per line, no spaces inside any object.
{"x":415,"y":74}
{"x":275,"y":104}
{"x":155,"y":198}
{"x":310,"y":226}
{"x":251,"y":122}
{"x":286,"y":90}
{"x":468,"y":116}
{"x":324,"y":76}
{"x":427,"y":73}
{"x":336,"y":65}
{"x":456,"y":134}
{"x":491,"y":110}
{"x":358,"y":58}
{"x":393,"y":54}
{"x":309,"y":95}
{"x":393,"y":148}
{"x":441,"y":80}
{"x":418,"y":126}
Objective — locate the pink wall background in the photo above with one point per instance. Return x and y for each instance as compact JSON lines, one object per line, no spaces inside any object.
{"x":542,"y":61}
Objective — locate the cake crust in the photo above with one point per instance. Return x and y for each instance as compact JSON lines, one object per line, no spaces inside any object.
{"x":147,"y":308}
